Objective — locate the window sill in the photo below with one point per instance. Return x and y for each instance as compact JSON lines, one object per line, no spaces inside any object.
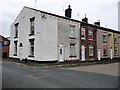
{"x":31,"y":34}
{"x":104,"y":41}
{"x":105,"y":55}
{"x":91,"y":55}
{"x":15,"y":37}
{"x":83,"y":38}
{"x":5,"y":45}
{"x":31,"y":56}
{"x":72,"y":56}
{"x":90,"y":39}
{"x":116,"y":42}
{"x":14,"y":54}
{"x":72,"y":37}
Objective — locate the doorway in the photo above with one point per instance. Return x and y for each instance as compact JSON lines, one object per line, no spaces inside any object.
{"x":61,"y":53}
{"x":82,"y":53}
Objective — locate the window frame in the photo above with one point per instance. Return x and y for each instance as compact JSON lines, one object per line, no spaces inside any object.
{"x":72,"y":31}
{"x":32,"y":26}
{"x":15,"y":48}
{"x":16,"y":30}
{"x":91,"y":47}
{"x":84,"y":31}
{"x":32,"y":47}
{"x":105,"y":38}
{"x":90,"y":34}
{"x":105,"y":48}
{"x":73,"y":50}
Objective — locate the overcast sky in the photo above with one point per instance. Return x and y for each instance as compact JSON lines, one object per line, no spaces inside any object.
{"x":104,"y":10}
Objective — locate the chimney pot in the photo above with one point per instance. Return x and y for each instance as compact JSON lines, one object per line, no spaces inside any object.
{"x":68,"y":12}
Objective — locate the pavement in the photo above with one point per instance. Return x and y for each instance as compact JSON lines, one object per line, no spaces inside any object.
{"x":24,"y":76}
{"x":65,"y":64}
{"x":107,"y":69}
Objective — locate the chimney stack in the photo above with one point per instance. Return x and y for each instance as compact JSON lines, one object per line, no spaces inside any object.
{"x":85,"y":20}
{"x":68,"y":12}
{"x":97,"y":23}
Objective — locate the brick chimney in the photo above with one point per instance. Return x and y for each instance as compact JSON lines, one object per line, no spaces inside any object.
{"x":68,"y":12}
{"x":85,"y":20}
{"x":97,"y":23}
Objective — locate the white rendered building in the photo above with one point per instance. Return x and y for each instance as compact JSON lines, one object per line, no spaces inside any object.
{"x":42,"y":36}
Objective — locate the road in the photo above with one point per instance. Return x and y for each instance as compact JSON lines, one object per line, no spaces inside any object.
{"x":22,"y":76}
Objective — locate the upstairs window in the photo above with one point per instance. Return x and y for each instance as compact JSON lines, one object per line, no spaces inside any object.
{"x":72,"y":31}
{"x":90,"y":35}
{"x":5,"y":43}
{"x":32,"y":26}
{"x":115,"y":39}
{"x":16,"y":30}
{"x":104,"y":37}
{"x":83,"y":33}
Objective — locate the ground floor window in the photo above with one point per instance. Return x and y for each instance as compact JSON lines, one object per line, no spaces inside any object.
{"x":105,"y":51}
{"x":116,"y":50}
{"x":15,"y":48}
{"x":72,"y":50}
{"x":31,"y":47}
{"x":91,"y":50}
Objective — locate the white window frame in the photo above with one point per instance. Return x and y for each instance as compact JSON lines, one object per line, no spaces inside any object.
{"x":116,"y":39}
{"x":72,"y":32}
{"x":116,"y":49}
{"x":15,"y":50}
{"x":105,"y":40}
{"x":83,"y":29}
{"x":31,"y":46}
{"x":32,"y":25}
{"x":90,"y":32}
{"x":72,"y":50}
{"x":91,"y":47}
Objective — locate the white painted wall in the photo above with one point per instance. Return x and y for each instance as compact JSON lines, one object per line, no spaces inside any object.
{"x":45,"y":36}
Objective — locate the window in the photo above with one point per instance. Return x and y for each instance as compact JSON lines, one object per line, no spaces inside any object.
{"x":90,"y":35}
{"x":82,"y":33}
{"x":60,"y":51}
{"x":104,"y":37}
{"x":72,"y":50}
{"x":115,"y":39}
{"x":15,"y":49}
{"x":105,"y":51}
{"x":32,"y":26}
{"x":5,"y":43}
{"x":116,"y":50}
{"x":31,"y":47}
{"x":91,"y":50}
{"x":72,"y":31}
{"x":16,"y":30}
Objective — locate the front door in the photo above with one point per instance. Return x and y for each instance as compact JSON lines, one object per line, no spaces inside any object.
{"x":99,"y":54}
{"x":20,"y":53}
{"x":61,"y":53}
{"x":82,"y":53}
{"x":111,"y":53}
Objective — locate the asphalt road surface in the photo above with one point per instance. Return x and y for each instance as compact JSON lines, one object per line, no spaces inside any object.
{"x":21,"y":76}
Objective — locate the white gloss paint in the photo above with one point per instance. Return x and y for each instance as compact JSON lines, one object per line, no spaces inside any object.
{"x":99,"y":54}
